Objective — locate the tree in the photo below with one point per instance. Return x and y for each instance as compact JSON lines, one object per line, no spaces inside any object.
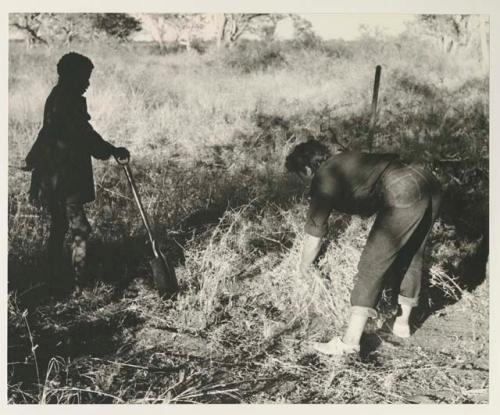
{"x":116,"y":25}
{"x":183,"y":28}
{"x":233,"y":25}
{"x":158,"y":26}
{"x":30,"y":24}
{"x":186,"y":27}
{"x":69,"y":27}
{"x":45,"y":28}
{"x":303,"y":31}
{"x":485,"y":55}
{"x":452,"y":31}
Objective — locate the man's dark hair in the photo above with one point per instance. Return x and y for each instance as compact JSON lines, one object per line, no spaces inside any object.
{"x":309,"y":154}
{"x":73,"y":63}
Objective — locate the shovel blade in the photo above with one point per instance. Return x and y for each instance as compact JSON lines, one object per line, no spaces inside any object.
{"x":164,"y":276}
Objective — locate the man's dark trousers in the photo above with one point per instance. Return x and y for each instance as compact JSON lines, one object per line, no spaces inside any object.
{"x":67,"y":214}
{"x":410,"y":198}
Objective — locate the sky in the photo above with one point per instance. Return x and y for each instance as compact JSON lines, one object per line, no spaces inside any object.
{"x":347,"y":26}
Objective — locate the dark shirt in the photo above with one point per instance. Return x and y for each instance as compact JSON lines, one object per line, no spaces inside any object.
{"x":348,"y":183}
{"x":61,"y":155}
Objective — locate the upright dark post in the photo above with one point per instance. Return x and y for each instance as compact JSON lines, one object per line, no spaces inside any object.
{"x":373,"y":119}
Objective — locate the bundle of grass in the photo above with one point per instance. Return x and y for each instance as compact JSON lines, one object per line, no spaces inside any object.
{"x":320,"y":302}
{"x":248,"y":267}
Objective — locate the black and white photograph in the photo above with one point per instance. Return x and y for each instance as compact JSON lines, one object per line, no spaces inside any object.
{"x":255,"y":207}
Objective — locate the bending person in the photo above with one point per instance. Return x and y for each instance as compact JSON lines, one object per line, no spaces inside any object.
{"x":404,"y":198}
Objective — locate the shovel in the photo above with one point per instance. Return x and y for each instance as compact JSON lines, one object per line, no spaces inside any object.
{"x":163,"y":272}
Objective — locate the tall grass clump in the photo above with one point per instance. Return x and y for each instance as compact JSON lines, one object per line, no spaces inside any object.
{"x":249,"y":57}
{"x":253,"y":254}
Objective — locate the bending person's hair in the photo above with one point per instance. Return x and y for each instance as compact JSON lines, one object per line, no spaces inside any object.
{"x":310,"y":154}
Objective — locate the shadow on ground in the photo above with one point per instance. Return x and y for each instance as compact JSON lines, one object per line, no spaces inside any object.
{"x":116,"y":263}
{"x":470,"y":273}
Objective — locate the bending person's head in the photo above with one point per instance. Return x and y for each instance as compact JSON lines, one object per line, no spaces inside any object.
{"x":305,"y":158}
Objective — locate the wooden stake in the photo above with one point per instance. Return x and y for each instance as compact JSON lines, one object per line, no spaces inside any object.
{"x":373,"y":118}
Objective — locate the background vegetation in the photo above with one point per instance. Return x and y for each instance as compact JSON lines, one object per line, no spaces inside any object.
{"x":209,"y":128}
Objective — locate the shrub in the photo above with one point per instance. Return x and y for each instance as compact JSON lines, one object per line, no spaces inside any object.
{"x":251,"y":56}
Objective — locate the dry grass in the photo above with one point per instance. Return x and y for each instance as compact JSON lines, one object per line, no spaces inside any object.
{"x":209,"y":142}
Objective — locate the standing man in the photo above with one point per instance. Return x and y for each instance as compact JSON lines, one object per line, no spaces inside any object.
{"x":405,"y":199}
{"x":60,"y":161}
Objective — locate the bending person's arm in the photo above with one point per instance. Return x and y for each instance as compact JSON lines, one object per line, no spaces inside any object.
{"x":316,"y":227}
{"x":310,"y":250}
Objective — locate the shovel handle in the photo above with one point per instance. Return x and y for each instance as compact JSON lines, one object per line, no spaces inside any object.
{"x":130,"y":178}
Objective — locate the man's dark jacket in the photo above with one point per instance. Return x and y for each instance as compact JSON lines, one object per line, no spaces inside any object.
{"x":61,"y":155}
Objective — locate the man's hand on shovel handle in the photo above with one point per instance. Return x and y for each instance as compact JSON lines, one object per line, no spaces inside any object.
{"x":122,"y":155}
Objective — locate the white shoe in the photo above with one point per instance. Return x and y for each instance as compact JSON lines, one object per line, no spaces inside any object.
{"x":401,"y":330}
{"x":335,"y":347}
